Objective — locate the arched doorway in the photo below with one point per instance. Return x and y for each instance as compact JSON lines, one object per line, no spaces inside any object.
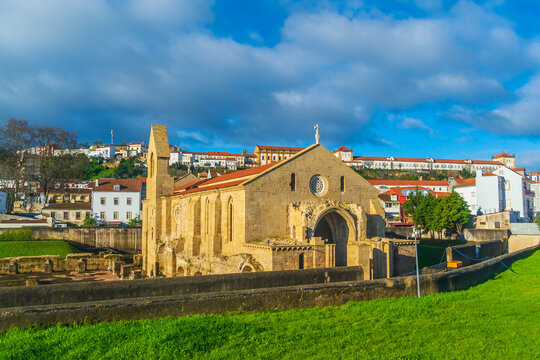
{"x":333,"y":229}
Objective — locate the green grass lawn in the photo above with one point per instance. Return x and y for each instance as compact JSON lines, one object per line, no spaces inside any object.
{"x":35,"y":248}
{"x":497,"y":319}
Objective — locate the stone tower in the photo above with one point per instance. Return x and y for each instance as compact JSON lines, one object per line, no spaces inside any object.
{"x":158,"y":184}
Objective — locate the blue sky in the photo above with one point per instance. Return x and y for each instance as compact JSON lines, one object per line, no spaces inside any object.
{"x":415,"y":78}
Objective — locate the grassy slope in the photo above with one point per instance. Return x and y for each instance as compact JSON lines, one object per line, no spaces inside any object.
{"x":36,"y":247}
{"x":497,"y":319}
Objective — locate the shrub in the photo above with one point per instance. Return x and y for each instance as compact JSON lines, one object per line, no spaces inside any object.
{"x":16,"y":235}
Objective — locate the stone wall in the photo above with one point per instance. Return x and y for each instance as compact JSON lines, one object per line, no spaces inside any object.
{"x":124,"y":239}
{"x":86,"y":308}
{"x":28,"y":264}
{"x":524,"y":229}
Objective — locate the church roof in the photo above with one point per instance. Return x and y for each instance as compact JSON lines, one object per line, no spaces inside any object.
{"x":234,"y":178}
{"x":226,"y":180}
{"x":501,"y":155}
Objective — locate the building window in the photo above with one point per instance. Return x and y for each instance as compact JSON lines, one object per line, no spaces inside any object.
{"x":87,"y":214}
{"x":115,"y":215}
{"x":102,"y":201}
{"x":129,"y":201}
{"x":78,"y":215}
{"x":52,"y":214}
{"x":301,"y":261}
{"x":293,"y":182}
{"x":128,"y":215}
{"x":115,"y":201}
{"x":342,"y":184}
{"x":230,"y":221}
{"x":102,"y":215}
{"x":66,"y":215}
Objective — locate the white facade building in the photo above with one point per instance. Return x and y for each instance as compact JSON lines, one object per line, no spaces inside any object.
{"x":106,"y":152}
{"x":500,"y":190}
{"x":419,"y":164}
{"x":434,"y":185}
{"x":117,"y":201}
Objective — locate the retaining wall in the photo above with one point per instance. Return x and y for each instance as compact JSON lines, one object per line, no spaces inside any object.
{"x":485,"y":234}
{"x":124,"y":239}
{"x":276,"y":298}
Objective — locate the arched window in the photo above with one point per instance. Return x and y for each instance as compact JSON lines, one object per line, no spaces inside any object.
{"x":151,"y":167}
{"x":207,"y":216}
{"x":293,"y":232}
{"x":230,"y":218}
{"x":342,"y":184}
{"x":293,"y":182}
{"x":301,"y":261}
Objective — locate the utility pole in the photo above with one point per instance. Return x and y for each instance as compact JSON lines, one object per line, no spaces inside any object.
{"x":416,"y":256}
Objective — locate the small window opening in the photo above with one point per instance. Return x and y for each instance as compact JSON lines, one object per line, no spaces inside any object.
{"x":293,"y":182}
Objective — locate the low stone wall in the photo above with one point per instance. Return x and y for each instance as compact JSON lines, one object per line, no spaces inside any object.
{"x":95,"y":291}
{"x":124,"y":239}
{"x":27,"y":264}
{"x":275,"y":298}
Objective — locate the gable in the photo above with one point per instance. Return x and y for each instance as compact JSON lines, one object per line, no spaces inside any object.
{"x":312,"y":161}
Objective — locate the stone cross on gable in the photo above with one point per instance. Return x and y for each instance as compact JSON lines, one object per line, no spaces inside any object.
{"x":317,"y":136}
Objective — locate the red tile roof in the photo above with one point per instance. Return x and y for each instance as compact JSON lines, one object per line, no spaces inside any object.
{"x":409,"y":182}
{"x":503,"y":154}
{"x":467,"y":182}
{"x":279,"y":148}
{"x":126,"y":185}
{"x":342,"y":148}
{"x":226,"y":180}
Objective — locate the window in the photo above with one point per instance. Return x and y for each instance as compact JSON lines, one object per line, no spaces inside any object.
{"x":293,"y":182}
{"x":230,"y":221}
{"x":102,"y":215}
{"x":301,"y":261}
{"x":52,"y":214}
{"x":115,"y":201}
{"x":102,"y":201}
{"x":87,"y":214}
{"x":66,"y":215}
{"x":129,"y":201}
{"x":115,"y":215}
{"x":78,"y":215}
{"x":342,"y":184}
{"x":128,"y":215}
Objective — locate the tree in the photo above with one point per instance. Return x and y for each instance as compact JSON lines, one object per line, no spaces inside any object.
{"x":28,"y":152}
{"x":89,"y":222}
{"x":456,"y":213}
{"x":128,"y":170}
{"x":135,"y":222}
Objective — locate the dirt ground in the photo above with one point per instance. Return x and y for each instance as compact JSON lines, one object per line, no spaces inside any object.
{"x":55,"y":277}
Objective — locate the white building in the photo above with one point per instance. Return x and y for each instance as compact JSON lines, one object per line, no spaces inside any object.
{"x":434,"y":185}
{"x":420,"y":164}
{"x":344,"y":154}
{"x":500,"y":190}
{"x":105,"y":152}
{"x":535,"y":188}
{"x":137,"y":148}
{"x":117,"y":201}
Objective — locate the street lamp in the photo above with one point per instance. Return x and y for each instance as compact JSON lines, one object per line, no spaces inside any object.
{"x":415,"y":232}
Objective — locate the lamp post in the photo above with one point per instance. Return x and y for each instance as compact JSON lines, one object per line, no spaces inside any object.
{"x":415,"y":232}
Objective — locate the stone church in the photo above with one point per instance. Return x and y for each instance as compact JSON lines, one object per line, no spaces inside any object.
{"x":308,"y":211}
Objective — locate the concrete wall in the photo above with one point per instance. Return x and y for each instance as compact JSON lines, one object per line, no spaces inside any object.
{"x":275,"y":298}
{"x":485,"y":234}
{"x":524,"y":229}
{"x":520,"y":242}
{"x":125,"y":239}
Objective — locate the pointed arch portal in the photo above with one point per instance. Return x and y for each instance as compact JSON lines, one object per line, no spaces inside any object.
{"x":333,"y":229}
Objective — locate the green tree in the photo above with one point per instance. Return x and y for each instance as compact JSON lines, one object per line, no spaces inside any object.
{"x":135,"y":222}
{"x":89,"y":222}
{"x":127,"y":169}
{"x":456,"y":213}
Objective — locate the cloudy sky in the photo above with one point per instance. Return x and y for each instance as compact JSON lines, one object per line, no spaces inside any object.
{"x":451,"y":79}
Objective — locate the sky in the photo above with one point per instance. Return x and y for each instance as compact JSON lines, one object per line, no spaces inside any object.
{"x":408,"y":78}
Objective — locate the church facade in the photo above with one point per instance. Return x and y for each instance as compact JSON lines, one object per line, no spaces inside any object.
{"x":308,"y":211}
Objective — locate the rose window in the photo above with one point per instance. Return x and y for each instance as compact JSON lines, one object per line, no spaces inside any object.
{"x":317,"y":185}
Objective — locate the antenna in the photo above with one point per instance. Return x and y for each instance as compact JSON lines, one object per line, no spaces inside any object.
{"x":112,"y":137}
